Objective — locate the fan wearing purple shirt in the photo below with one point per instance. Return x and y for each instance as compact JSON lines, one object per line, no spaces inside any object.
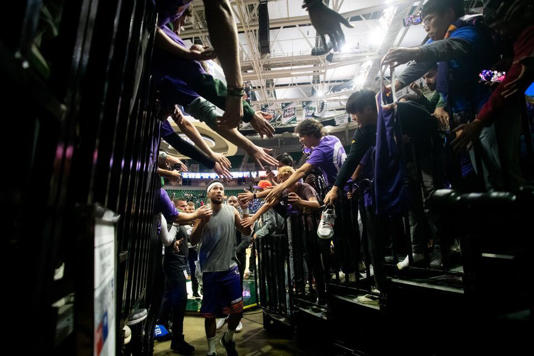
{"x":328,"y":156}
{"x":165,"y":206}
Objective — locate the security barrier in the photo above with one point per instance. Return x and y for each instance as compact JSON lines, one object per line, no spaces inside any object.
{"x":83,"y":142}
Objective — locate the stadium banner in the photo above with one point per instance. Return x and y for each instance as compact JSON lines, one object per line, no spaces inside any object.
{"x":309,"y":109}
{"x":289,"y":114}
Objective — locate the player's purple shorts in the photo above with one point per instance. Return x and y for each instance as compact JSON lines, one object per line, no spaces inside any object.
{"x":221,"y":293}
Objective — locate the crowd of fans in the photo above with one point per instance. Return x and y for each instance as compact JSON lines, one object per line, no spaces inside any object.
{"x":455,"y":132}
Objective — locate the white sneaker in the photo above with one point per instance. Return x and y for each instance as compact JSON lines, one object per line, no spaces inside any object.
{"x":239,"y":327}
{"x":404,"y":263}
{"x":368,"y":299}
{"x":220,"y":322}
{"x":326,"y":225}
{"x":127,"y":334}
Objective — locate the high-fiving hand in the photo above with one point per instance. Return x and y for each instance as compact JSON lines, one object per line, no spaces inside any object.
{"x":245,"y":197}
{"x":274,"y":194}
{"x":246,"y":222}
{"x":233,"y":113}
{"x":261,"y":155}
{"x":219,"y":157}
{"x":198,"y":53}
{"x":223,"y":172}
{"x":261,"y":125}
{"x":204,"y":212}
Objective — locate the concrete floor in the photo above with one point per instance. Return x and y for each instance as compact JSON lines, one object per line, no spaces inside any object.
{"x":253,"y":340}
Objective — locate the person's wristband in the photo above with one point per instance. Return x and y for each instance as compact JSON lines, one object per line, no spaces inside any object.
{"x":239,"y":92}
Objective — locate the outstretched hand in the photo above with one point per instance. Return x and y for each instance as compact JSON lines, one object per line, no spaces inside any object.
{"x":198,"y":53}
{"x":274,"y":194}
{"x":222,"y":171}
{"x":233,"y":113}
{"x":223,"y":161}
{"x":326,"y":22}
{"x":174,"y":161}
{"x":204,"y":212}
{"x":247,"y":222}
{"x":245,"y":197}
{"x":261,"y":155}
{"x":261,"y":125}
{"x":398,"y":56}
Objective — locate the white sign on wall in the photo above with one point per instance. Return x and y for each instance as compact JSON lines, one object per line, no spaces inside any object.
{"x":105,"y":277}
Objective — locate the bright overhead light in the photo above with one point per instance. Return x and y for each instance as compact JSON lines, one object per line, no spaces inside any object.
{"x":376,"y":37}
{"x":346,"y":48}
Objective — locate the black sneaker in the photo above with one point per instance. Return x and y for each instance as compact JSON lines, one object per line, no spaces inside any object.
{"x":228,"y":346}
{"x":182,"y":347}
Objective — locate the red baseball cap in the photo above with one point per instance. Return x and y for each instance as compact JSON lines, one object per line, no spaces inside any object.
{"x":262,"y":184}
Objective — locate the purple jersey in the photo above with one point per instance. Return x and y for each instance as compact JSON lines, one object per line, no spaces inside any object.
{"x":165,"y":206}
{"x":328,"y":156}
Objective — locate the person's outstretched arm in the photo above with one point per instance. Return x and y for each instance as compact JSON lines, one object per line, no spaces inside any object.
{"x":246,"y":231}
{"x":276,"y":192}
{"x":164,"y":42}
{"x":189,"y":150}
{"x":248,"y":196}
{"x":184,"y":147}
{"x":249,"y":221}
{"x":260,"y":154}
{"x":191,"y":131}
{"x":168,"y":173}
{"x":223,"y":36}
{"x":360,"y":144}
